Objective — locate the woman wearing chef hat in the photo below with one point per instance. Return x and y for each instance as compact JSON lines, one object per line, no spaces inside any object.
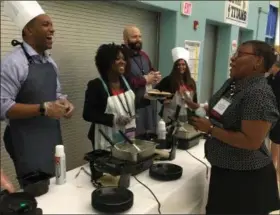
{"x":109,"y":101}
{"x":31,"y":101}
{"x":179,"y":82}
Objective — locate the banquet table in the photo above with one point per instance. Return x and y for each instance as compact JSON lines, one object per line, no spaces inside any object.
{"x":183,"y":196}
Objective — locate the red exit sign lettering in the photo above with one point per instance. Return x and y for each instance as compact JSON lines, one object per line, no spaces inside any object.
{"x":186,"y":9}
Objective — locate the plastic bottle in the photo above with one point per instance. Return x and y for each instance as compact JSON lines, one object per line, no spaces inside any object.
{"x":174,"y":146}
{"x":161,"y":130}
{"x":60,"y":165}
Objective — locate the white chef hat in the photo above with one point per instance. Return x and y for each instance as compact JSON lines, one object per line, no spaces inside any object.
{"x":22,"y":12}
{"x":180,"y":53}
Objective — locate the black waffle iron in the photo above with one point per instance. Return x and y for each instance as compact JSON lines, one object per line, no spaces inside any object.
{"x":101,"y":161}
{"x":181,"y":139}
{"x":18,"y":203}
{"x":113,"y":199}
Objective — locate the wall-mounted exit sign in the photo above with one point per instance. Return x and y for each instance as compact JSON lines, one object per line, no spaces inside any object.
{"x":186,"y":8}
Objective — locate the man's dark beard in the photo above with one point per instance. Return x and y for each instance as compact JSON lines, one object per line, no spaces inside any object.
{"x":135,"y":46}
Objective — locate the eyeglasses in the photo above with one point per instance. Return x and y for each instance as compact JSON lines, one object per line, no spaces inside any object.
{"x":241,"y":54}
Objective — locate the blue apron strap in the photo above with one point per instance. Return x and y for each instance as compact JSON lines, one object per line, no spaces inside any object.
{"x":125,"y":82}
{"x":105,"y":86}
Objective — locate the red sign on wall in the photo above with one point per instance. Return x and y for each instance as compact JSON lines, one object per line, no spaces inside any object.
{"x":186,"y":9}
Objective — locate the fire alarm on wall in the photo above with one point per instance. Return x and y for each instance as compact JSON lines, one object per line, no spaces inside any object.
{"x":195,"y":25}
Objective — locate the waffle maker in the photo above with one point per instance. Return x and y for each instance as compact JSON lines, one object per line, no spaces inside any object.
{"x":182,"y":134}
{"x":171,"y":142}
{"x":36,"y":183}
{"x":169,"y":171}
{"x":101,"y":161}
{"x":21,"y":203}
{"x":113,"y":199}
{"x":165,"y":171}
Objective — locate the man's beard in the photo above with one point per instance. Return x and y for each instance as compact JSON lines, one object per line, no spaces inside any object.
{"x":135,"y":46}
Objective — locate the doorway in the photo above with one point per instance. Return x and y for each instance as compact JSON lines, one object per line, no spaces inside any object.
{"x":209,"y":62}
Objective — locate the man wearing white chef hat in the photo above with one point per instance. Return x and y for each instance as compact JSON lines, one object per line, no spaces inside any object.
{"x":31,"y":99}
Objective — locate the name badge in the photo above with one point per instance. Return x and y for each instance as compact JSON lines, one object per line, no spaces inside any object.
{"x":221,"y":106}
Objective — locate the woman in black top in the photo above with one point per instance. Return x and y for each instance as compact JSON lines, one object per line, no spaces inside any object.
{"x":179,"y":83}
{"x":274,"y":81}
{"x":109,"y":102}
{"x":241,"y":114}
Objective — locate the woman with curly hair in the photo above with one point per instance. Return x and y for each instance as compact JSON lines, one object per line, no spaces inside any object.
{"x":109,"y":101}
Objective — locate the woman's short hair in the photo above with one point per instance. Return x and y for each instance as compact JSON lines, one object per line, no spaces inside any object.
{"x":264,"y":50}
{"x":105,"y":56}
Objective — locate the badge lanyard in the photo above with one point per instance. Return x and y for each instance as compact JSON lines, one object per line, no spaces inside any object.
{"x":141,"y":67}
{"x":128,"y":111}
{"x":232,"y":90}
{"x":221,"y":106}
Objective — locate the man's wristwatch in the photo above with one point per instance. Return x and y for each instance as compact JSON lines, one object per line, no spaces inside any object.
{"x":42,"y":109}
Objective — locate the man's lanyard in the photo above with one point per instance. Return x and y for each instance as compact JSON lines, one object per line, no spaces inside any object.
{"x":140,"y":66}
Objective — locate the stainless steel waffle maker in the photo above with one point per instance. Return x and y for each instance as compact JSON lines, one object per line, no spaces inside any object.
{"x":123,"y":160}
{"x":179,"y":135}
{"x":185,"y":135}
{"x":110,"y":199}
{"x":171,"y":141}
{"x":169,"y":171}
